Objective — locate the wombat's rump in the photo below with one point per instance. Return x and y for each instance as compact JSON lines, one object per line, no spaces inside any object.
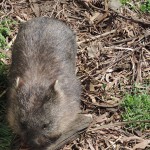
{"x":44,"y":93}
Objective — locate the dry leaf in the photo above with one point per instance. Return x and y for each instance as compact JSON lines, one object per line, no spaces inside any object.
{"x":142,"y":145}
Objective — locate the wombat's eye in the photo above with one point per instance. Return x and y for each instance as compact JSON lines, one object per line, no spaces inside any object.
{"x":45,"y":126}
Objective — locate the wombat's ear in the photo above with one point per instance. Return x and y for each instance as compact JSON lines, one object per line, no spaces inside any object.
{"x":56,"y":88}
{"x":19,"y":82}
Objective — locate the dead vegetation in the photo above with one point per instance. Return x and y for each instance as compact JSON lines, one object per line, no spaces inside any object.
{"x":113,"y":55}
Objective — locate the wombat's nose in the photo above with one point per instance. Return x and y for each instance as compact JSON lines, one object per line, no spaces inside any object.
{"x":29,"y":138}
{"x":34,"y":140}
{"x":41,"y":140}
{"x":38,"y":142}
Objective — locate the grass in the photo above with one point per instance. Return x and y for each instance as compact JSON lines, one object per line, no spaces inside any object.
{"x":5,"y":30}
{"x":5,"y":133}
{"x":143,"y":6}
{"x":124,"y":2}
{"x":137,"y":108}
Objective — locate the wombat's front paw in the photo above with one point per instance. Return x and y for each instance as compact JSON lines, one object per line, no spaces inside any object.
{"x":77,"y":127}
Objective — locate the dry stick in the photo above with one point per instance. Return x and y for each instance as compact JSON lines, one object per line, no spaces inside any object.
{"x":117,"y":124}
{"x":96,"y":37}
{"x":11,"y":11}
{"x":113,"y":143}
{"x":117,"y":47}
{"x":124,"y":40}
{"x":85,"y":5}
{"x":106,"y":5}
{"x":133,"y":38}
{"x":127,"y":40}
{"x":2,"y":2}
{"x":11,"y":42}
{"x":100,"y":18}
{"x":147,"y":23}
{"x":3,"y":93}
{"x":102,"y":105}
{"x":134,"y":20}
{"x":35,"y":7}
{"x":5,"y":53}
{"x":127,"y":55}
{"x":99,"y":9}
{"x":21,"y":20}
{"x":54,"y":8}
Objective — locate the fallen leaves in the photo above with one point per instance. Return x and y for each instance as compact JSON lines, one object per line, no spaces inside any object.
{"x":113,"y":54}
{"x":140,"y":142}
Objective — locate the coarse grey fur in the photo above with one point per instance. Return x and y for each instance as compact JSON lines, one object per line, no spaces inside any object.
{"x":44,"y":93}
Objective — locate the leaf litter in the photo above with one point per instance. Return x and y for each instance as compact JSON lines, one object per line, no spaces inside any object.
{"x":113,"y":54}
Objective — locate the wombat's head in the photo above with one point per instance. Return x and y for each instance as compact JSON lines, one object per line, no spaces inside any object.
{"x":40,"y":113}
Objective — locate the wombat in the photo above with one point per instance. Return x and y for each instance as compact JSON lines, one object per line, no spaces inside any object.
{"x":44,"y":92}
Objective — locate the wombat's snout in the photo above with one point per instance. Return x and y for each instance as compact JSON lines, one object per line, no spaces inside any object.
{"x":35,"y":139}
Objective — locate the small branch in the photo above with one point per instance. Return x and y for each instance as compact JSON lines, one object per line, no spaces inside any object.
{"x":117,"y":47}
{"x":3,"y":93}
{"x":96,"y":37}
{"x":35,"y":7}
{"x":142,"y":22}
{"x":124,"y":40}
{"x":54,"y":8}
{"x":5,"y":53}
{"x":117,"y":124}
{"x":103,"y":105}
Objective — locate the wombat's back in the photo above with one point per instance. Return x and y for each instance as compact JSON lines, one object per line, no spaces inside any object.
{"x":44,"y":43}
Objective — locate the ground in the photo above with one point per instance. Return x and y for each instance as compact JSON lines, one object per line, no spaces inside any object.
{"x":113,"y":59}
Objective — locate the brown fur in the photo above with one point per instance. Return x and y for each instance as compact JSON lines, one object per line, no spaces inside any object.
{"x":44,"y":93}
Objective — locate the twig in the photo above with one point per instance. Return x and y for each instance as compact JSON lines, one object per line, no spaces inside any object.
{"x":11,"y":42}
{"x":117,"y":47}
{"x":96,"y":37}
{"x":124,"y":40}
{"x":2,"y":5}
{"x":54,"y":8}
{"x":125,"y":56}
{"x":5,"y":53}
{"x":3,"y":93}
{"x":35,"y":7}
{"x":118,"y":124}
{"x":113,"y":143}
{"x":103,"y":105}
{"x":142,"y":22}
